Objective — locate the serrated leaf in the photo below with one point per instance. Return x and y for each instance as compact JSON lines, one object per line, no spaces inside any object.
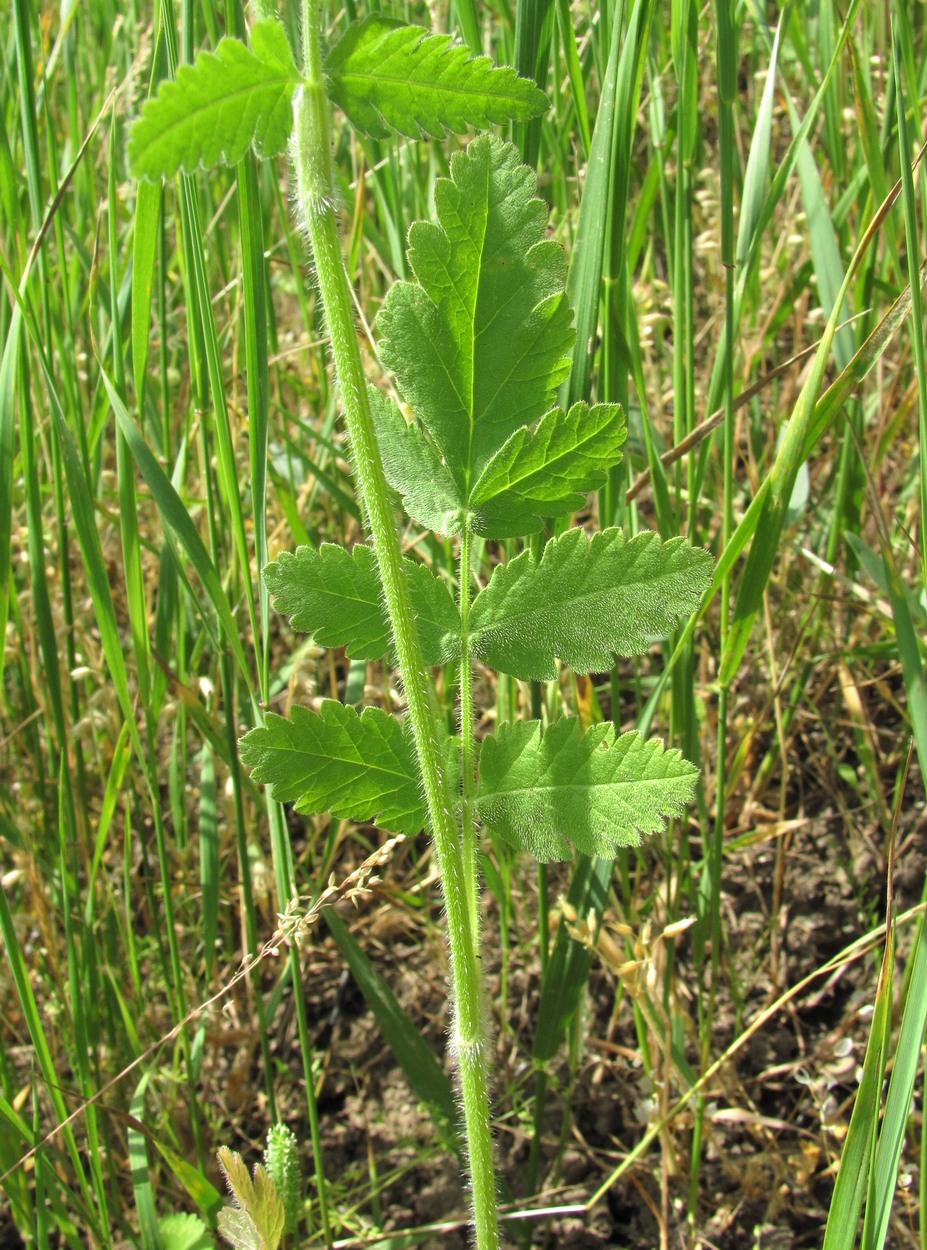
{"x":268,"y":1214}
{"x":184,"y":1231}
{"x":335,"y":595}
{"x":585,"y":601}
{"x":430,"y":495}
{"x":236,"y":1176}
{"x":237,"y":1227}
{"x":387,"y":76}
{"x":479,"y":346}
{"x":218,"y":107}
{"x":357,"y":767}
{"x":257,"y":1222}
{"x":567,"y":791}
{"x":548,"y":471}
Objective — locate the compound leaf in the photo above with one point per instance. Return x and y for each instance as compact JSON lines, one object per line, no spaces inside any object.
{"x":387,"y":76}
{"x":219,"y":106}
{"x":567,"y":791}
{"x":547,"y":472}
{"x":480,"y":343}
{"x":356,"y":766}
{"x":585,"y":601}
{"x":335,"y":595}
{"x":257,"y":1222}
{"x":430,"y":495}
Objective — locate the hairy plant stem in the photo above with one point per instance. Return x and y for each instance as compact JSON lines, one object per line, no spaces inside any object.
{"x":316,"y":198}
{"x":467,"y":740}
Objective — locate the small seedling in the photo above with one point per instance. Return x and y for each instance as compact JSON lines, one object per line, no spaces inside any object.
{"x":267,"y":1203}
{"x":477,"y":346}
{"x":257,"y":1218}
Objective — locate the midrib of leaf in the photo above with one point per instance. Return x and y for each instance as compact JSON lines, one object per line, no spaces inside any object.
{"x":596,"y":595}
{"x":502,"y":380}
{"x":474,"y":339}
{"x":465,"y":403}
{"x":469,"y":301}
{"x":354,"y":761}
{"x":461,"y":90}
{"x":486,"y":330}
{"x":580,"y":789}
{"x":244,"y":92}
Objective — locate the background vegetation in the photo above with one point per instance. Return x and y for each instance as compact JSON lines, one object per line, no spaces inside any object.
{"x":724,"y":182}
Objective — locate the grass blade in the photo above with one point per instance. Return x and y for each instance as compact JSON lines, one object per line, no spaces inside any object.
{"x":856,"y":1157}
{"x":139,"y":1170}
{"x":176,"y":520}
{"x":780,"y":481}
{"x":588,"y":256}
{"x":8,"y":369}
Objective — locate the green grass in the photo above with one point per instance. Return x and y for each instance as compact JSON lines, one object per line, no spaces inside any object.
{"x":168,"y":423}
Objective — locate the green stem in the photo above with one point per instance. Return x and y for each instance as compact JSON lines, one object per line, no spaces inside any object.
{"x":316,"y":197}
{"x":467,"y":739}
